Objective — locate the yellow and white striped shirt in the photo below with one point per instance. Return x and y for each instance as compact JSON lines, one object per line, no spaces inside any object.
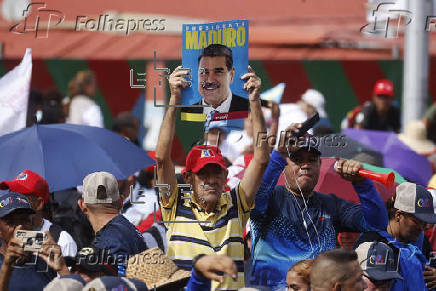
{"x":222,"y":235}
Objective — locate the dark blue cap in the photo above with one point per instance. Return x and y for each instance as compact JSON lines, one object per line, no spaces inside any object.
{"x":307,"y":143}
{"x":12,"y":201}
{"x":378,"y":261}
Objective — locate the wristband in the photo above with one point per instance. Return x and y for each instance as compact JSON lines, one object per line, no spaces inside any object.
{"x":196,"y":258}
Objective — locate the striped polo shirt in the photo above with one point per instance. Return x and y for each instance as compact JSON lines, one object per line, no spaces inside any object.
{"x":218,"y":232}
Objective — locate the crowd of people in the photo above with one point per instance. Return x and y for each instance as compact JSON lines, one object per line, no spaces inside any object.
{"x":220,"y":222}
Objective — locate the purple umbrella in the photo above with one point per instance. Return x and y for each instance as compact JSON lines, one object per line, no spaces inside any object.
{"x":396,"y":154}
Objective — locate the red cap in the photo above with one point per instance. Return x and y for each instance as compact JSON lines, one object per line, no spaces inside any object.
{"x":384,"y":87}
{"x":201,"y":155}
{"x":28,"y":182}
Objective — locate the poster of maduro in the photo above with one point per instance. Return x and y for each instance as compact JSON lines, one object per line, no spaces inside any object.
{"x":217,"y":54}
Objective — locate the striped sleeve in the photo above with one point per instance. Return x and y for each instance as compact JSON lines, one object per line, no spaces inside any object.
{"x":243,"y":208}
{"x":169,"y":208}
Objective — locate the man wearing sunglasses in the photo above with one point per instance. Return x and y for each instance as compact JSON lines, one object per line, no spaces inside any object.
{"x":379,"y":264}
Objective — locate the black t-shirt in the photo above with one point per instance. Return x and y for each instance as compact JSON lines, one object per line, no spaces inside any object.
{"x":368,"y":118}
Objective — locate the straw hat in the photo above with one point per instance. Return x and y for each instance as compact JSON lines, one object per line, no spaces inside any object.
{"x":415,"y":136}
{"x":155,"y":269}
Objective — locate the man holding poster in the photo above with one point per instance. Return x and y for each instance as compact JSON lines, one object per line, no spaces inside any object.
{"x":204,"y":216}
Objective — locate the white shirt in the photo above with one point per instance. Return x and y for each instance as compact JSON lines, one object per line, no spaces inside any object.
{"x":146,"y":201}
{"x":66,"y":242}
{"x":228,"y":150}
{"x":238,"y":140}
{"x":222,"y":108}
{"x":85,"y":111}
{"x":234,"y":170}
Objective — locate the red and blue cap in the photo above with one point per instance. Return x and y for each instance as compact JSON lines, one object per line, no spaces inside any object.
{"x":202,"y":155}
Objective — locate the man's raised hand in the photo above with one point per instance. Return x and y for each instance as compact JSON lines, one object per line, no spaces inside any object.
{"x":176,"y":82}
{"x":288,"y":144}
{"x":252,"y":84}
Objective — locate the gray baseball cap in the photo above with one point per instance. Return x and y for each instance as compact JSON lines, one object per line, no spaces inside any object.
{"x":100,"y":188}
{"x":416,"y":200}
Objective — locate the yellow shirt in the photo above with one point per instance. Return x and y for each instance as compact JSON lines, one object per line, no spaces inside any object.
{"x":218,"y":232}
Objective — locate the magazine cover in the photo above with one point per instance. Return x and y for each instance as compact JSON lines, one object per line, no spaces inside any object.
{"x":217,"y":54}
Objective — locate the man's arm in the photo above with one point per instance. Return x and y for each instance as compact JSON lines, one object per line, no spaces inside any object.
{"x":272,"y":174}
{"x":371,"y":214}
{"x":253,"y":175}
{"x":5,"y":276}
{"x":14,"y":252}
{"x":274,"y":169}
{"x":274,"y":128}
{"x":165,"y":167}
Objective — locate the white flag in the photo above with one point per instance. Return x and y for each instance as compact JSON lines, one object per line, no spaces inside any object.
{"x":14,"y":95}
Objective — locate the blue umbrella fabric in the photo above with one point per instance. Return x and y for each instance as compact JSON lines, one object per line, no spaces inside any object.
{"x":65,"y":153}
{"x":396,"y":154}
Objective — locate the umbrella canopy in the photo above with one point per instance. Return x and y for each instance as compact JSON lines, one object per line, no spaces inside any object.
{"x":331,"y":182}
{"x":65,"y":153}
{"x":396,"y":154}
{"x":343,"y":146}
